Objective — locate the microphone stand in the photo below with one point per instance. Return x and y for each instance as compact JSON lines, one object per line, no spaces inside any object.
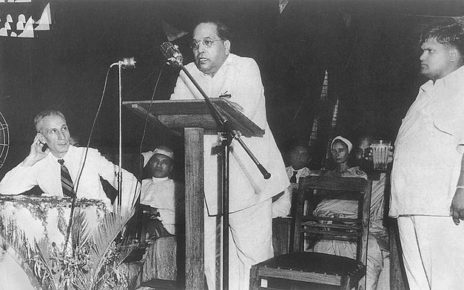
{"x":125,"y":63}
{"x":120,"y":136}
{"x":227,"y":135}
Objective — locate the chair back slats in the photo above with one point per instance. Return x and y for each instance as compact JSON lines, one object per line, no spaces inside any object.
{"x":338,"y":232}
{"x":334,"y":183}
{"x":333,"y":235}
{"x":337,"y":219}
{"x":313,"y":189}
{"x":334,"y":227}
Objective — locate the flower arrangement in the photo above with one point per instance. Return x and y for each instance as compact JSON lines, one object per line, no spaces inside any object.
{"x":91,"y":261}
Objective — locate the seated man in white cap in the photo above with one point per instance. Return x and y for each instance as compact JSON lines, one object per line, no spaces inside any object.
{"x":161,"y":193}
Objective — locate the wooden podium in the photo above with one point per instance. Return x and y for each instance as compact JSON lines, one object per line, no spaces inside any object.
{"x":193,"y":117}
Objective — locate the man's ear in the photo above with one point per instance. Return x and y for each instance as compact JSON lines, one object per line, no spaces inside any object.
{"x":227,"y":45}
{"x":454,"y":54}
{"x":171,"y":167}
{"x":42,"y":138}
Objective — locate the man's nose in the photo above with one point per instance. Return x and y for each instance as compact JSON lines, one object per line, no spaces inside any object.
{"x":60,"y":135}
{"x":422,"y":56}
{"x":201,"y":47}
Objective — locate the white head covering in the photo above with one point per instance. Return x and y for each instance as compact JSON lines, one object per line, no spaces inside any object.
{"x":163,"y":150}
{"x":344,"y":140}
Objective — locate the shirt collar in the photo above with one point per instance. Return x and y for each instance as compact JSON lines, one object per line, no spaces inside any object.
{"x":298,"y":170}
{"x":157,"y":180}
{"x":452,"y":81}
{"x":71,"y":147}
{"x":227,"y":62}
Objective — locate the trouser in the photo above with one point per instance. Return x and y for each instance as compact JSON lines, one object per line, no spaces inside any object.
{"x":433,"y":252}
{"x":250,"y":242}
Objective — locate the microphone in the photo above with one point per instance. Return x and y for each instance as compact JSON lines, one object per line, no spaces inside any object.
{"x":127,"y":62}
{"x":172,"y":54}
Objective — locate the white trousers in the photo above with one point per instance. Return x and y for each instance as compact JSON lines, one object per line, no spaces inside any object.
{"x":250,"y":242}
{"x":433,"y":252}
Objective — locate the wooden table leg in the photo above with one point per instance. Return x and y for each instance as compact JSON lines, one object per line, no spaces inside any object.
{"x":194,"y":223}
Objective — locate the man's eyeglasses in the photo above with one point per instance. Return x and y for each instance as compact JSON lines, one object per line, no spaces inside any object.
{"x":208,"y":42}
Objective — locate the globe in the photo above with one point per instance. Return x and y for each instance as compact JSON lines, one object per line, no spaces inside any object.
{"x":4,"y":139}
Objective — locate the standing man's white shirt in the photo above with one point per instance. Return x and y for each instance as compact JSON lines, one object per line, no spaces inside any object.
{"x":239,"y":77}
{"x":429,"y":144}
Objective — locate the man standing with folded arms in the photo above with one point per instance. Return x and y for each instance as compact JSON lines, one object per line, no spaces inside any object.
{"x":220,"y":72}
{"x":428,"y":170}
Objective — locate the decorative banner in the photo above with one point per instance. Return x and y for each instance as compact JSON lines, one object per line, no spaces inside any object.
{"x":323,"y":99}
{"x":325,"y":87}
{"x":282,"y":5}
{"x":333,"y":125}
{"x":16,"y":1}
{"x":23,"y":18}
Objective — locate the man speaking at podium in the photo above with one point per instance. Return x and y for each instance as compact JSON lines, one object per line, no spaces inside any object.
{"x":219,"y":72}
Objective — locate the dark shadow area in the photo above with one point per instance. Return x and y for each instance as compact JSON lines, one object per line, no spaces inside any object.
{"x":369,"y":51}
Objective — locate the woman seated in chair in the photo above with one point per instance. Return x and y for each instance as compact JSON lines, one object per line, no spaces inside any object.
{"x":345,"y":208}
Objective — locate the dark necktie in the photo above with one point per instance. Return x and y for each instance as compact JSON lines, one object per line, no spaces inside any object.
{"x":293,"y":178}
{"x":66,"y":181}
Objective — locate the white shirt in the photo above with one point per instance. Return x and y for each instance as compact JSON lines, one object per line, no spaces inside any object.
{"x":428,"y":149}
{"x":46,"y":173}
{"x":282,"y":206}
{"x":161,"y":193}
{"x":302,"y":172}
{"x":240,"y":77}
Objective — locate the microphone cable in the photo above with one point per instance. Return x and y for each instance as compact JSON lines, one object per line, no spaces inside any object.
{"x":73,"y":203}
{"x":93,"y":126}
{"x":144,"y":131}
{"x":140,"y":160}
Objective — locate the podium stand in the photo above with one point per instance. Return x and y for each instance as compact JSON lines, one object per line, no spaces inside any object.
{"x":193,"y":117}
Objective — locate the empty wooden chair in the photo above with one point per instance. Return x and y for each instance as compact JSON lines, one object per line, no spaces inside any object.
{"x":320,"y":268}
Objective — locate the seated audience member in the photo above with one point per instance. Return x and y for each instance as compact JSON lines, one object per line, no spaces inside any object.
{"x":376,"y":256}
{"x":376,"y":226}
{"x":298,"y":161}
{"x":61,"y":169}
{"x":160,"y":194}
{"x":161,"y":201}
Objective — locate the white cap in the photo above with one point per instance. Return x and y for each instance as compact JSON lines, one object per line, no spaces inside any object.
{"x":163,"y":150}
{"x":344,"y":140}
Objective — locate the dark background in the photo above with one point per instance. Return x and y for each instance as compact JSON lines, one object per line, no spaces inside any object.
{"x":370,"y":50}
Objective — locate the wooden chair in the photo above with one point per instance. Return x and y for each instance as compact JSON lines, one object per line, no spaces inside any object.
{"x":319,"y":268}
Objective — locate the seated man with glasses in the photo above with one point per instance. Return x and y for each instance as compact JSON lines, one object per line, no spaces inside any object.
{"x":220,"y":72}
